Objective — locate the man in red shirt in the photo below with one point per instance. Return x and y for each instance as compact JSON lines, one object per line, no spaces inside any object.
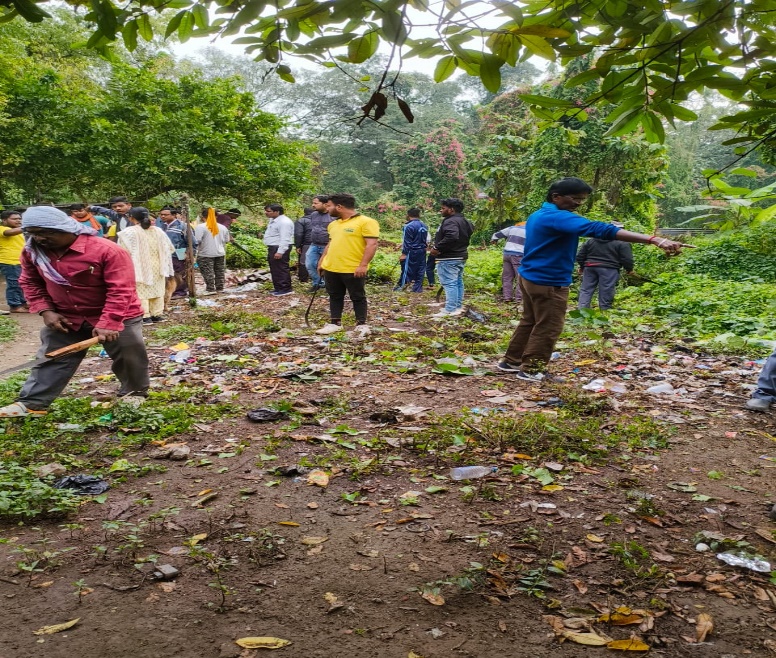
{"x":82,"y":286}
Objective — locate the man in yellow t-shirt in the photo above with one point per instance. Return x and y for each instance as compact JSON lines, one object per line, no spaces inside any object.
{"x":345,"y":261}
{"x":11,"y":245}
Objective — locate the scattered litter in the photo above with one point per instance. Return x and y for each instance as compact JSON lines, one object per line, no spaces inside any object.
{"x":471,"y":472}
{"x":661,"y":388}
{"x":265,"y":415}
{"x":475,"y":315}
{"x":83,"y":485}
{"x":165,"y":572}
{"x":752,"y":563}
{"x":50,"y":469}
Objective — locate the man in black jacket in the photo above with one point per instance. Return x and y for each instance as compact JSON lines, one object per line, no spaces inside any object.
{"x":303,"y":232}
{"x":600,"y":262}
{"x":319,"y":237}
{"x":450,"y":248}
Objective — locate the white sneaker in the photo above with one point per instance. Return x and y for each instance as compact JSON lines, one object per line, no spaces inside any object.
{"x":208,"y":293}
{"x":329,"y":328}
{"x":440,"y":315}
{"x":458,"y":311}
{"x":363,"y":329}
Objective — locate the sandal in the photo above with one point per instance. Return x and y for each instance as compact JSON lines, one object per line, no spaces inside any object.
{"x":19,"y":410}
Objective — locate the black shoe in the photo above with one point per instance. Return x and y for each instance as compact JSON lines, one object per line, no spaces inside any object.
{"x":530,"y":377}
{"x":158,"y":318}
{"x":508,"y":367}
{"x":147,"y":321}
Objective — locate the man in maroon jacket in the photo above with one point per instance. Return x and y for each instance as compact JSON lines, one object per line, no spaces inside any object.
{"x":82,"y":286}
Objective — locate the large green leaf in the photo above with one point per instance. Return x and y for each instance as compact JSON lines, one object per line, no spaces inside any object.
{"x":362,"y":48}
{"x":445,"y":67}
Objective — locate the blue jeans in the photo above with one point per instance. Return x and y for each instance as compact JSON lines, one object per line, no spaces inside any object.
{"x":314,"y":254}
{"x":451,"y":278}
{"x":13,"y":291}
{"x":766,"y":383}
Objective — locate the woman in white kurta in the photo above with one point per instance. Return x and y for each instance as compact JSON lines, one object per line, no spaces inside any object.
{"x":151,"y":252}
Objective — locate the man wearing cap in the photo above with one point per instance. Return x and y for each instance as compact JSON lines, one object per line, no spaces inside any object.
{"x":82,"y":286}
{"x":599,"y":263}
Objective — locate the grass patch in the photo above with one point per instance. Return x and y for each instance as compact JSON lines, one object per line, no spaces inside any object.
{"x":214,"y":325}
{"x":24,"y":496}
{"x":8,"y":329}
{"x":581,"y":428}
{"x":68,"y":430}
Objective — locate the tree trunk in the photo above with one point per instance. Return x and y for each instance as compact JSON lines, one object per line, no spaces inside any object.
{"x":189,"y":247}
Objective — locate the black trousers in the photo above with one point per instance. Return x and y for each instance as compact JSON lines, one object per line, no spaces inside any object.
{"x":337,"y":284}
{"x":279,"y":269}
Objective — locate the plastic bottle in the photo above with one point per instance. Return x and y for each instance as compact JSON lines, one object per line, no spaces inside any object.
{"x":471,"y":472}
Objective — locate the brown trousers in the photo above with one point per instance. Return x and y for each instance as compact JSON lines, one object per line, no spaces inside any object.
{"x":544,"y":313}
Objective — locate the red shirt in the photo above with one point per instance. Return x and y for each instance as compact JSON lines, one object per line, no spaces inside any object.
{"x":102,"y":288}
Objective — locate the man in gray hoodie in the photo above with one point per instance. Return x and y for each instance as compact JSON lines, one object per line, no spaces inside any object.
{"x":600,"y":262}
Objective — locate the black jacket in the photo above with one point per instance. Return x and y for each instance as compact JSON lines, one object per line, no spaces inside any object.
{"x":606,"y":253}
{"x":303,"y":232}
{"x":319,"y":222}
{"x":452,"y":238}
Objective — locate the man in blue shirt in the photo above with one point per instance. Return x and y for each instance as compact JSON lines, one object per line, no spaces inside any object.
{"x":552,"y":237}
{"x":413,"y":252}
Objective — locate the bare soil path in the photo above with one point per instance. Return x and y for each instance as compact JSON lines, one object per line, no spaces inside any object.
{"x":598,"y":506}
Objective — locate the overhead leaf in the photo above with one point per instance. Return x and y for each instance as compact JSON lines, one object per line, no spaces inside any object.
{"x":362,"y":48}
{"x":445,"y":67}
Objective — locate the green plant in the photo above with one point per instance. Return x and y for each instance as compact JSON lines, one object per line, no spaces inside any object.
{"x":24,"y":495}
{"x":81,"y":588}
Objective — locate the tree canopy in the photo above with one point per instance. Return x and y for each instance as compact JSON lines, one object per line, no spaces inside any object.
{"x":74,"y":126}
{"x":650,"y":56}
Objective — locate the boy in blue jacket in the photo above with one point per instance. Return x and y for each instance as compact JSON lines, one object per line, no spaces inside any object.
{"x":552,"y":237}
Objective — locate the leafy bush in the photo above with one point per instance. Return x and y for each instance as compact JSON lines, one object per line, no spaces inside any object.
{"x":24,"y":495}
{"x":237,"y":259}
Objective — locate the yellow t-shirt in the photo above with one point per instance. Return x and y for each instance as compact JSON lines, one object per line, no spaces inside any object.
{"x":10,"y":248}
{"x":347,"y":243}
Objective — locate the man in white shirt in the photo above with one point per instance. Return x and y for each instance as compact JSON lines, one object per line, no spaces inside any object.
{"x":279,"y":237}
{"x":211,"y":255}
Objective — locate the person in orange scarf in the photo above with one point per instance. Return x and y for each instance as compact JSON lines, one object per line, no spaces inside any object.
{"x":80,"y":213}
{"x":212,"y":238}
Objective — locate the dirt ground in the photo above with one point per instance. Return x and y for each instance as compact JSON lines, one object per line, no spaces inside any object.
{"x":380,"y":574}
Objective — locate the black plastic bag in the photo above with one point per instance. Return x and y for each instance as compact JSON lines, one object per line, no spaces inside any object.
{"x":83,"y":485}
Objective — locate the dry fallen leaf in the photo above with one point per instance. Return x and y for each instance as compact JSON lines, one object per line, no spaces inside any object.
{"x":314,"y":541}
{"x":631,"y":644}
{"x":262,"y":643}
{"x":591,"y":638}
{"x":293,"y":524}
{"x":623,"y":616}
{"x":581,"y":587}
{"x":594,"y":538}
{"x":56,"y":628}
{"x":318,"y":478}
{"x":703,"y":627}
{"x":197,"y":538}
{"x":312,"y":505}
{"x":432,"y":598}
{"x":413,"y":566}
{"x":760,"y":594}
{"x":204,"y":492}
{"x":412,"y":654}
{"x":502,"y":626}
{"x":166,"y":587}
